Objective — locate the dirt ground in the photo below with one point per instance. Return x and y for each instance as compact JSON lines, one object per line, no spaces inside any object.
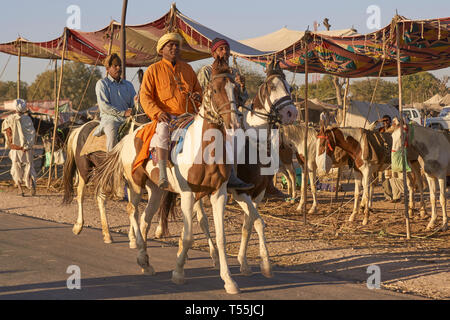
{"x":328,"y":243}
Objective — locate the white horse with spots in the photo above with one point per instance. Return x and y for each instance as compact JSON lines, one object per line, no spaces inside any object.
{"x":434,"y":150}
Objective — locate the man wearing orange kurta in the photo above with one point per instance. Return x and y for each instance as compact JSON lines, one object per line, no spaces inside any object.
{"x":164,"y":94}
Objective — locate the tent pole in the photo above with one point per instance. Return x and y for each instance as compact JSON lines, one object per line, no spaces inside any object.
{"x":123,"y":39}
{"x":400,"y":110}
{"x":344,"y":107}
{"x":111,"y":39}
{"x":55,"y":124}
{"x":19,"y":65}
{"x":305,"y":142}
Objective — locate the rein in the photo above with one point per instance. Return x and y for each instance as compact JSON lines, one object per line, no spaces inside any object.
{"x":213,"y":114}
{"x":272,"y":116}
{"x":328,"y":140}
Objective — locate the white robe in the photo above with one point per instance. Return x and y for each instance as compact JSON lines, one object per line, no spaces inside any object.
{"x":23,"y":135}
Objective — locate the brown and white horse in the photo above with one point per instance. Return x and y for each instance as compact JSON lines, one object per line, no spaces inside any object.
{"x":197,"y":171}
{"x":370,"y":152}
{"x":434,"y":150}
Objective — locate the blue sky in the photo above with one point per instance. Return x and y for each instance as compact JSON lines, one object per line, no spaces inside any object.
{"x":45,"y":19}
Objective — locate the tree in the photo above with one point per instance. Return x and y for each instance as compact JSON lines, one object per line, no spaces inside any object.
{"x":8,"y":90}
{"x":75,"y":79}
{"x":362,"y":90}
{"x":420,"y":86}
{"x":323,"y":90}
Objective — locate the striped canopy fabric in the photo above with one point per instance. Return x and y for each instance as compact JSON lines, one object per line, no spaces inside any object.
{"x":424,"y":44}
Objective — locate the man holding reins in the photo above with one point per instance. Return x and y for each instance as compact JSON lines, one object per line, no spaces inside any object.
{"x":115,"y":98}
{"x":221,"y":49}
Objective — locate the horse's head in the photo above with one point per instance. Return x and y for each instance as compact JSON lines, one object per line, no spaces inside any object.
{"x":275,"y":95}
{"x":223,"y":93}
{"x":325,"y":146}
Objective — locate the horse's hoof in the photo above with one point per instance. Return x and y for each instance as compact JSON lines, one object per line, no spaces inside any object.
{"x":312,"y":211}
{"x":246,"y":271}
{"x":430,"y":226}
{"x":423,"y":213}
{"x":178,"y":278}
{"x":142,"y":261}
{"x":77,"y":228}
{"x":266,"y":270}
{"x":133,"y":244}
{"x":148,"y":270}
{"x":107,"y":239}
{"x":232,"y":288}
{"x":444,"y":227}
{"x":365,"y":221}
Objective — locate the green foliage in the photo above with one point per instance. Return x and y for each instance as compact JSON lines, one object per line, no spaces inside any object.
{"x":324,"y":90}
{"x":8,"y":90}
{"x":75,"y":79}
{"x":420,"y":87}
{"x":362,"y":90}
{"x":253,"y":80}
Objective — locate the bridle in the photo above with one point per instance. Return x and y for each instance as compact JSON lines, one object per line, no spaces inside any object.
{"x":325,"y":136}
{"x":273,"y":115}
{"x":213,"y":113}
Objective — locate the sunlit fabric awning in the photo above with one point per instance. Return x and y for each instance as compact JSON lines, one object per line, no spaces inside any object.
{"x":424,"y":44}
{"x":92,"y":47}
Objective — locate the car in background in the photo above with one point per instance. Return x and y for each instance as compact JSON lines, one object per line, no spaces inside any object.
{"x":414,"y":115}
{"x":442,"y":121}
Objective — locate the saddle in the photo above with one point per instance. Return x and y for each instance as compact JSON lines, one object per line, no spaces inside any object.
{"x":98,"y":143}
{"x":181,"y":122}
{"x":376,"y":146}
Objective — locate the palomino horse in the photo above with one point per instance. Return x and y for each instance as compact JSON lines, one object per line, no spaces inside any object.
{"x":370,"y":152}
{"x":197,"y":171}
{"x":257,"y":121}
{"x":434,"y":150}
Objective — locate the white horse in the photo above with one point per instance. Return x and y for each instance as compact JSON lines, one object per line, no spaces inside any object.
{"x":434,"y":150}
{"x":198,"y":170}
{"x":272,"y":104}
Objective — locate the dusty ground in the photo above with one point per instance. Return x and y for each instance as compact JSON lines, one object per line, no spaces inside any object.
{"x":328,"y":243}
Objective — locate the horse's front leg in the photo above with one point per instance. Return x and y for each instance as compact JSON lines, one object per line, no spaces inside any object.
{"x":302,"y":199}
{"x":367,"y":174}
{"x":218,"y":201}
{"x":101,"y":199}
{"x":312,"y":179}
{"x":203,"y":221}
{"x":187,"y":204}
{"x":415,"y":166}
{"x":410,"y":186}
{"x":442,"y":200}
{"x":432,"y":187}
{"x":356,"y":206}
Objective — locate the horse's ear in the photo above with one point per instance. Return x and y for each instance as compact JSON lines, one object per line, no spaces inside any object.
{"x":270,"y":66}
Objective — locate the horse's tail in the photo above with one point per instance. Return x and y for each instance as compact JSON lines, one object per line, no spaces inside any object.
{"x":166,"y":209}
{"x":69,"y":170}
{"x":108,"y":177}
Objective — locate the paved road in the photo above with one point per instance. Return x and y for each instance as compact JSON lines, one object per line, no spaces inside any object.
{"x":35,"y":255}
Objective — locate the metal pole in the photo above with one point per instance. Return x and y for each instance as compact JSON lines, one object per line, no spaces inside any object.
{"x":63,"y":55}
{"x":400,"y":109}
{"x":123,"y":39}
{"x":305,"y":142}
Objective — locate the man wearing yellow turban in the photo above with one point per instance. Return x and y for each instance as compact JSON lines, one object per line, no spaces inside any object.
{"x":164,"y":94}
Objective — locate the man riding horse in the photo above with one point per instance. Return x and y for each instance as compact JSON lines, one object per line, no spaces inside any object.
{"x":169,"y":89}
{"x":115,"y":98}
{"x":221,"y":49}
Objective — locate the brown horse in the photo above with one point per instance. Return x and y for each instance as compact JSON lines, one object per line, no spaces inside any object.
{"x":198,"y":170}
{"x":371,"y":153}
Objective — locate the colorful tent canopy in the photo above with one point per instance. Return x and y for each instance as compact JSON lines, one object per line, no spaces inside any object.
{"x":425,"y":45}
{"x":92,"y":47}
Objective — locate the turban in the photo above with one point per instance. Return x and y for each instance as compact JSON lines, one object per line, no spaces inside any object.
{"x":20,"y":105}
{"x":172,"y":36}
{"x":217,"y":42}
